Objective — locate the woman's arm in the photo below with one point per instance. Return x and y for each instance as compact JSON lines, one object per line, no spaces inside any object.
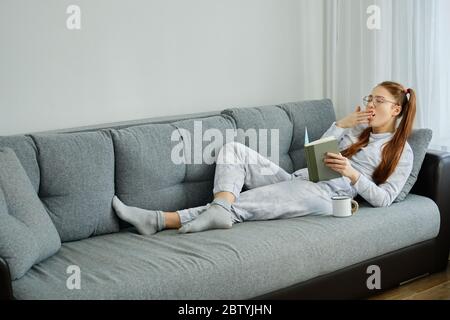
{"x":335,"y":131}
{"x":344,"y":136}
{"x":354,"y":123}
{"x":384,"y":194}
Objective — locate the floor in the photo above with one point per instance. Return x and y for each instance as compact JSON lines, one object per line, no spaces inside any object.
{"x":432,"y":287}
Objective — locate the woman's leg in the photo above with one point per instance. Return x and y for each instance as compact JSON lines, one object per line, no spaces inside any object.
{"x":288,"y":199}
{"x":147,"y":222}
{"x":172,"y":220}
{"x":236,"y":166}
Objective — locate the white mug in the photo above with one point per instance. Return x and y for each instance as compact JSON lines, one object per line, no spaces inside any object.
{"x":344,"y":206}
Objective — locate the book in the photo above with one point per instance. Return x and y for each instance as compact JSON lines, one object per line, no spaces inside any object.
{"x":315,"y":153}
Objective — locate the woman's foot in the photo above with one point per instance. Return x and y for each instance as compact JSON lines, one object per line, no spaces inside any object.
{"x":147,"y":222}
{"x":217,"y":216}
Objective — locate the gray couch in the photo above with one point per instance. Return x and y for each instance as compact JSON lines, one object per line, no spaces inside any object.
{"x":76,"y":174}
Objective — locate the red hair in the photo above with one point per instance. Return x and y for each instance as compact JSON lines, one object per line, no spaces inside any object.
{"x":393,"y":149}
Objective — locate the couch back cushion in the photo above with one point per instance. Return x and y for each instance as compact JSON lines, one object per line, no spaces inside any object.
{"x":269,"y":119}
{"x":25,"y":150}
{"x":27,"y":235}
{"x":317,"y":116}
{"x":77,"y":182}
{"x":418,"y":141}
{"x":158,"y":167}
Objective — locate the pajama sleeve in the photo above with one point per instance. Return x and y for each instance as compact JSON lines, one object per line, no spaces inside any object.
{"x":384,"y":194}
{"x":335,"y":131}
{"x":344,"y":136}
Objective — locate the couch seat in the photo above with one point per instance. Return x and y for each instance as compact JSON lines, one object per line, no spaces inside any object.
{"x":251,"y":259}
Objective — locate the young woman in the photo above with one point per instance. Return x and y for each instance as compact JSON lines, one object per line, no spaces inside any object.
{"x":375,"y":161}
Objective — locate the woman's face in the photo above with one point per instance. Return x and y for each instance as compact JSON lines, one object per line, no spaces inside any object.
{"x":384,"y":110}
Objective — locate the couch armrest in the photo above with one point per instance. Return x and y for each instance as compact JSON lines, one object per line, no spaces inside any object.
{"x":5,"y":281}
{"x":434,"y":182}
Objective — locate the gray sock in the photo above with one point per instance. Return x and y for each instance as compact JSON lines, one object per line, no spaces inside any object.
{"x":217,"y":216}
{"x":146,"y":222}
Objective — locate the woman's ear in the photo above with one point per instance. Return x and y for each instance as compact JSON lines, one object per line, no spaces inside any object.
{"x":397,"y":110}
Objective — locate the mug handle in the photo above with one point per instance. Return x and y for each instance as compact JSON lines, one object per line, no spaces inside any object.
{"x":355,"y":206}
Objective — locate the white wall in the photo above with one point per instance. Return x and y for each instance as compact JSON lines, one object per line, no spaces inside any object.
{"x":139,"y":59}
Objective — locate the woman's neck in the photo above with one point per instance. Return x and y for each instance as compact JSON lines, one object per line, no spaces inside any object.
{"x":384,"y":129}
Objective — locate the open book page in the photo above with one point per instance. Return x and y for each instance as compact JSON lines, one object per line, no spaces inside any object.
{"x":323,"y":140}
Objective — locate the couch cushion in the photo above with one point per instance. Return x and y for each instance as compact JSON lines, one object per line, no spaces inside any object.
{"x":251,"y":259}
{"x":77,"y":182}
{"x":145,"y":175}
{"x":25,"y":150}
{"x":419,"y":141}
{"x":262,"y":120}
{"x":27,"y":235}
{"x":317,"y":116}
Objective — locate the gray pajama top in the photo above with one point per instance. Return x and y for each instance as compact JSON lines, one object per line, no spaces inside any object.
{"x":366,"y":161}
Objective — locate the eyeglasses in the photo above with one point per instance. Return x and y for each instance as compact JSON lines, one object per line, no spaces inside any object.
{"x":377,"y":100}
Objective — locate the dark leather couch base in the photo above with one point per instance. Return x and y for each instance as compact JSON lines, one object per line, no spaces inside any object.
{"x":350,"y":283}
{"x":5,"y":281}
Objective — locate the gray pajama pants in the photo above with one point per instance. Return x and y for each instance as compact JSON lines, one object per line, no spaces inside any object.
{"x":272,"y":192}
